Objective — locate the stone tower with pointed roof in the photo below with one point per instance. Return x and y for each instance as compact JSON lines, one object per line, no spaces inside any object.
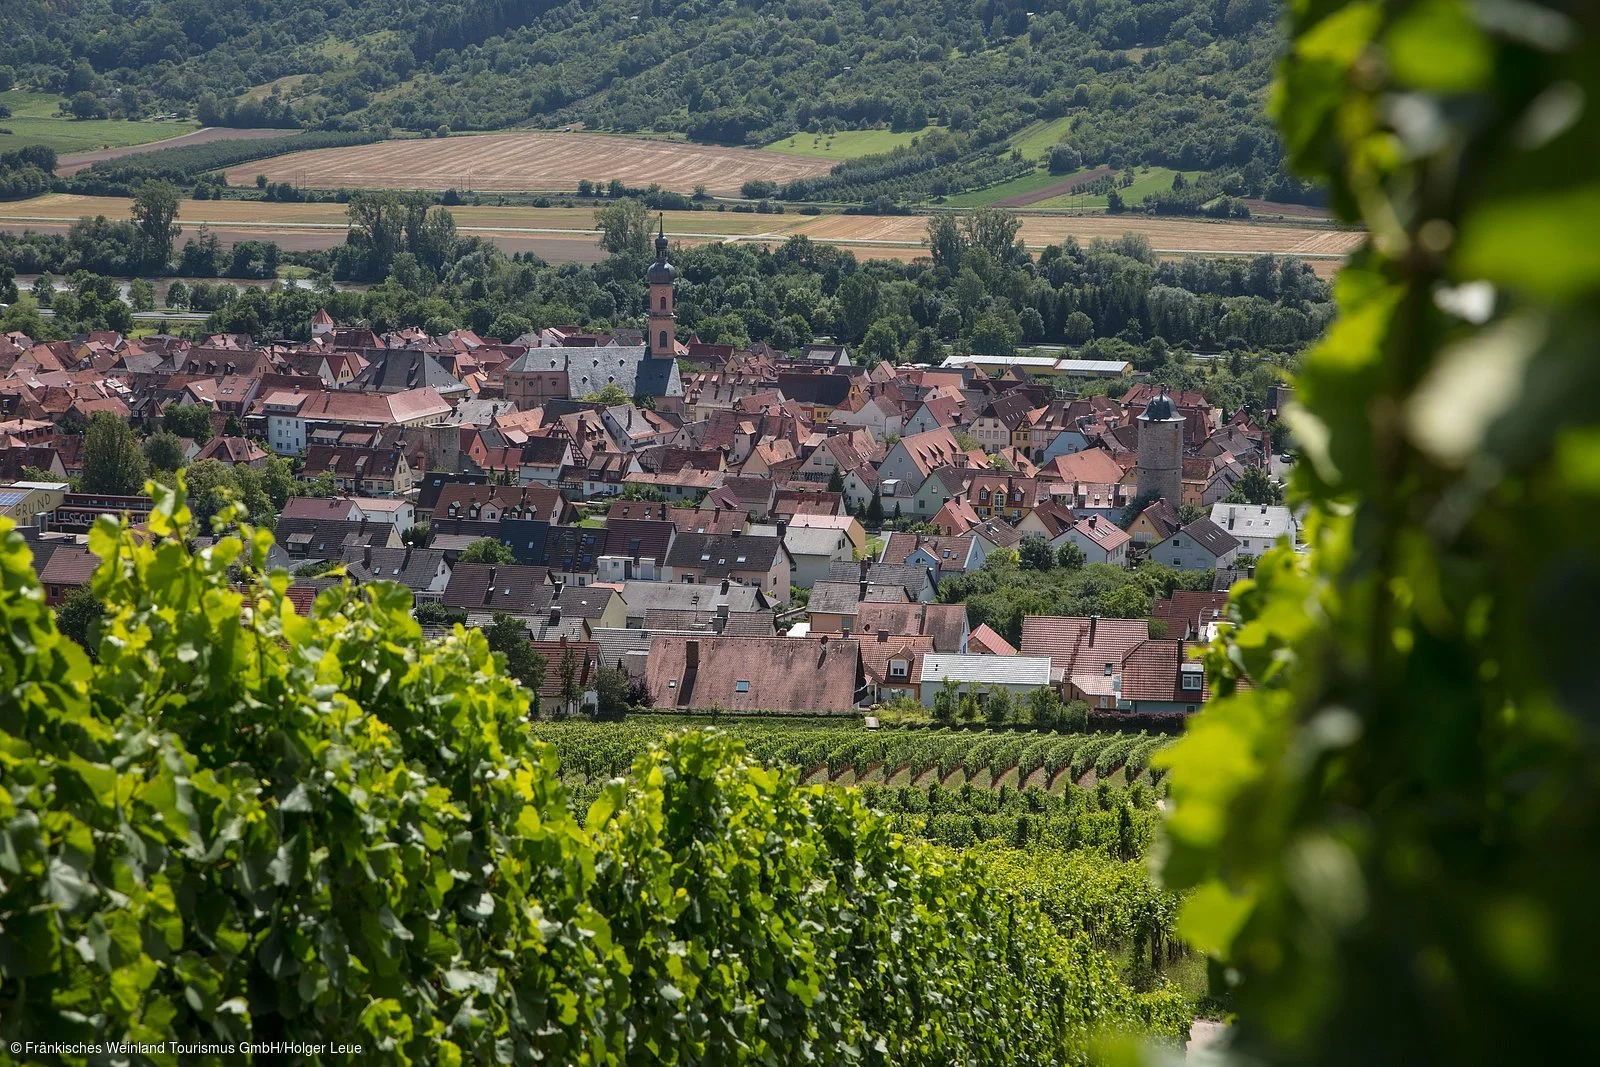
{"x":1160,"y":466}
{"x":661,"y":322}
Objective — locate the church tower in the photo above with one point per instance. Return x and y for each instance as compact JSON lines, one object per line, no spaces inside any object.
{"x":661,"y":323}
{"x":1160,"y":466}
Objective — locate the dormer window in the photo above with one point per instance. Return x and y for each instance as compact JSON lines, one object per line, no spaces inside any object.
{"x":898,"y":668}
{"x":1193,"y":675}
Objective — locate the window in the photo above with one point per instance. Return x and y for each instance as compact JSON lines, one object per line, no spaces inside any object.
{"x":663,"y":303}
{"x":1193,"y":677}
{"x":741,"y":686}
{"x":898,"y":668}
{"x":662,"y":343}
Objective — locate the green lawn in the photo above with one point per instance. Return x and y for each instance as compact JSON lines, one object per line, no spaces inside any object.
{"x":846,"y":144}
{"x":1146,"y":180}
{"x":1028,"y":183}
{"x":33,"y":121}
{"x":1035,"y":141}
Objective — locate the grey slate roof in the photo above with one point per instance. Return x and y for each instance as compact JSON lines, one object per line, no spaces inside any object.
{"x":398,"y":369}
{"x":415,"y":568}
{"x":716,"y":554}
{"x":590,"y":370}
{"x":1211,"y":537}
{"x":835,"y":598}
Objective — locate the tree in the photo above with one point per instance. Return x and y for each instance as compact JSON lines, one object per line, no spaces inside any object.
{"x":1064,"y":159}
{"x":1035,"y":554}
{"x":1114,"y":203}
{"x":417,"y":535}
{"x":999,"y":707}
{"x":1189,"y":513}
{"x":625,"y":227}
{"x":112,"y":462}
{"x":946,"y":701}
{"x":1043,"y":706}
{"x":23,"y":317}
{"x":610,"y":395}
{"x":155,"y":215}
{"x":993,"y":230}
{"x":836,"y":480}
{"x":1255,"y":487}
{"x":614,"y":694}
{"x":946,"y":241}
{"x":569,"y":673}
{"x":875,"y":511}
{"x":508,"y":636}
{"x":141,"y":295}
{"x":163,"y":451}
{"x":86,"y":105}
{"x":487,"y":550}
{"x":78,"y":617}
{"x":377,"y":232}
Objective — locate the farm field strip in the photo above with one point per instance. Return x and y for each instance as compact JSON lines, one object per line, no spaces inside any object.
{"x":897,"y":236}
{"x":845,"y":144}
{"x":67,"y":166}
{"x":530,"y":162}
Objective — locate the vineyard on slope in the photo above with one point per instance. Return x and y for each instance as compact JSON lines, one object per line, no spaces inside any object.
{"x":853,"y":755}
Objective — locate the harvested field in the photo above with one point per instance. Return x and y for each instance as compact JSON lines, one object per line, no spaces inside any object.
{"x":1171,"y":236}
{"x":1060,"y":188}
{"x":67,"y":166}
{"x":529,"y":162}
{"x":566,"y":234}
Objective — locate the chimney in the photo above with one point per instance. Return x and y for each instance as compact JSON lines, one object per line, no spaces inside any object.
{"x":863,"y":565}
{"x":560,"y":585}
{"x":724,"y":587}
{"x":366,"y":556}
{"x":1094,"y":621}
{"x":783,"y":528}
{"x":1108,"y":670}
{"x":555,"y":618}
{"x":691,"y":655}
{"x":863,"y":593}
{"x":1093,"y":521}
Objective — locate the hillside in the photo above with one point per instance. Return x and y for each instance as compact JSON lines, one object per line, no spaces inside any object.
{"x":1179,"y":84}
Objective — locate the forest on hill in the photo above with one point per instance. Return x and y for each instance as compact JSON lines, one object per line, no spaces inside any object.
{"x":1176,"y":84}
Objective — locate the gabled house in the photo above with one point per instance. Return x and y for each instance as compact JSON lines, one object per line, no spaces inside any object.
{"x":1200,"y":546}
{"x":422,"y":570}
{"x":1101,"y":540}
{"x":944,"y":555}
{"x":1161,"y":677}
{"x":698,"y":559}
{"x":982,"y":674}
{"x":1257,"y":527}
{"x":911,"y":460}
{"x":1154,"y":524}
{"x":813,"y":676}
{"x":1086,"y":653}
{"x":813,"y":549}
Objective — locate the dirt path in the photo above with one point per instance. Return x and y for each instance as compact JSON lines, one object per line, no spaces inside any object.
{"x":1204,"y":1036}
{"x":67,"y":166}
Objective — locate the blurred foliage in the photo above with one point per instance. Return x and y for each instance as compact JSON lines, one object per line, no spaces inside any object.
{"x":1389,"y":837}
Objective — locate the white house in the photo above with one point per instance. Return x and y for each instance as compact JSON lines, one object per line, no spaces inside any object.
{"x":1102,"y":540}
{"x":1200,"y":546}
{"x":1256,"y":527}
{"x":976,"y":673}
{"x":815,"y":549}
